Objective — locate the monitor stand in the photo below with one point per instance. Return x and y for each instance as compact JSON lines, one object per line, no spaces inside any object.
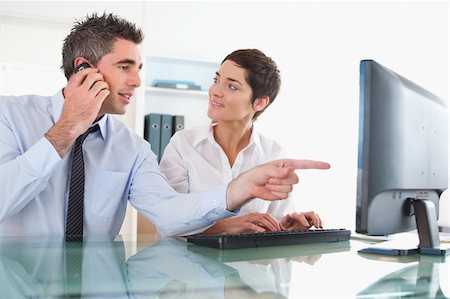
{"x":427,"y":229}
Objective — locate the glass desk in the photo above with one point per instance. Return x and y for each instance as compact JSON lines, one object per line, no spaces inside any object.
{"x":144,"y":267}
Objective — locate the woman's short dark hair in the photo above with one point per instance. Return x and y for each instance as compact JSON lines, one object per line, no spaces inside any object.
{"x":93,"y":37}
{"x":262,"y":74}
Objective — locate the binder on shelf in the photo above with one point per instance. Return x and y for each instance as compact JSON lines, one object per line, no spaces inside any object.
{"x":176,"y":84}
{"x":177,"y":123}
{"x":152,"y":132}
{"x":166,"y":132}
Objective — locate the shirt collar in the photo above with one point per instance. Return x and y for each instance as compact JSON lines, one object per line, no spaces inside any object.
{"x":57,"y":106}
{"x":254,"y":138}
{"x":206,"y":133}
{"x":102,"y":124}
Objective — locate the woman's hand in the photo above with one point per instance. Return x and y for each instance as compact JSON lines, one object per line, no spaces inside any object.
{"x":253,"y":222}
{"x":300,"y":221}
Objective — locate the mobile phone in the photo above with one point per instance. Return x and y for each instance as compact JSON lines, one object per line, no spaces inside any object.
{"x":82,"y":66}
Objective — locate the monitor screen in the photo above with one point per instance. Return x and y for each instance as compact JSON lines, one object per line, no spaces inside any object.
{"x":402,"y":150}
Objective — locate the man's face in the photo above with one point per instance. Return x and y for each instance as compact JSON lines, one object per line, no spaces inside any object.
{"x":120,"y":69}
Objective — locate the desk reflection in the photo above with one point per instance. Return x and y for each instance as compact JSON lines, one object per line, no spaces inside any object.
{"x":420,"y":280}
{"x":169,"y":265}
{"x":37,"y":268}
{"x":269,"y":269}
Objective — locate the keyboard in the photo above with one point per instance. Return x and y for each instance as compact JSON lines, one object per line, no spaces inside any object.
{"x":292,"y":237}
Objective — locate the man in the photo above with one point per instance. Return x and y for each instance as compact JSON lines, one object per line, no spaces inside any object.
{"x":37,"y":136}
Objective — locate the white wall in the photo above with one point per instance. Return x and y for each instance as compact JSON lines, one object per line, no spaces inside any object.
{"x":39,"y":28}
{"x":318,"y":46}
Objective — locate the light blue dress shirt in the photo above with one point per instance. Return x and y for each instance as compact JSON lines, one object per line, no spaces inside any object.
{"x":119,"y":166}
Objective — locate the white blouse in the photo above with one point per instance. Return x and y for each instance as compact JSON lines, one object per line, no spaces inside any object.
{"x":193,"y":161}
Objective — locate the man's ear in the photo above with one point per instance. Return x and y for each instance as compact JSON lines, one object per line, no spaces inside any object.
{"x":80,"y":60}
{"x":260,"y":103}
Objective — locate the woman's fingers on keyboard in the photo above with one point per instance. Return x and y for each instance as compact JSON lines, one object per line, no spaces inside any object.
{"x":265,"y":221}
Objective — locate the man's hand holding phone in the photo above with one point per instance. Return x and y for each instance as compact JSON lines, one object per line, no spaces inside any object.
{"x":82,"y":66}
{"x":83,"y":97}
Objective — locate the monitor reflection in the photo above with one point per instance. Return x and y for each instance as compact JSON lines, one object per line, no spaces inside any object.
{"x":419,"y":279}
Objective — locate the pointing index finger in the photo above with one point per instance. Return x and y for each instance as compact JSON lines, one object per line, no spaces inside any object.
{"x":304,"y":164}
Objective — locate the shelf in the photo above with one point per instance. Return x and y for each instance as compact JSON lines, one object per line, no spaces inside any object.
{"x":203,"y":94}
{"x":178,"y":69}
{"x":192,"y":104}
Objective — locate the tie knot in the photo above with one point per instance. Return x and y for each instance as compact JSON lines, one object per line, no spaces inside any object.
{"x":83,"y":136}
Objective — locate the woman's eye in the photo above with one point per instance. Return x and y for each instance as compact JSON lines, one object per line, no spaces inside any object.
{"x":232,"y":87}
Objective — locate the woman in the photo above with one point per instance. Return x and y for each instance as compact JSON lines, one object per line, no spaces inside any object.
{"x":198,"y":159}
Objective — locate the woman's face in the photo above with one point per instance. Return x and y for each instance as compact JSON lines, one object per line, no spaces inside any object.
{"x":230,"y":95}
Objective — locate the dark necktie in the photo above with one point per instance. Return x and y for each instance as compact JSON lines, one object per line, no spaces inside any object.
{"x":75,"y":211}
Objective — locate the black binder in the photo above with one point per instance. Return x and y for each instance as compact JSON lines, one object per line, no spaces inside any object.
{"x":166,"y":132}
{"x":178,"y":123}
{"x":152,"y":132}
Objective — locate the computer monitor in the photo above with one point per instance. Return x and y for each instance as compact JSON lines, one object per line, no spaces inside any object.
{"x":402,"y":155}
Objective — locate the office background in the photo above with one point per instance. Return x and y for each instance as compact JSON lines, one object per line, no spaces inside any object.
{"x":316,"y":44}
